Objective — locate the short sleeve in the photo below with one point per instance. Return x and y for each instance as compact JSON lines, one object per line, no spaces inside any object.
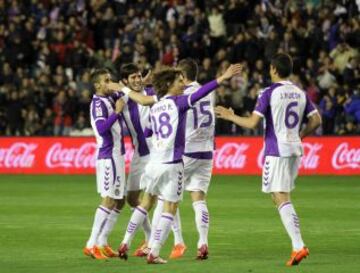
{"x":309,"y":107}
{"x":262,"y":102}
{"x":150,"y":91}
{"x":99,"y":110}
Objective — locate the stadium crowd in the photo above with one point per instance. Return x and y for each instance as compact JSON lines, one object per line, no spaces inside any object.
{"x":49,"y":47}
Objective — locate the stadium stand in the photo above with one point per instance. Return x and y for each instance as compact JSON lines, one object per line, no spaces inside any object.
{"x":48,"y":48}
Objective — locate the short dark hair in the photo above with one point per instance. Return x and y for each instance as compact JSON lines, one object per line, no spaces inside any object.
{"x":189,"y":68}
{"x":95,"y":76}
{"x":163,"y":79}
{"x":283,"y":64}
{"x":127,"y":69}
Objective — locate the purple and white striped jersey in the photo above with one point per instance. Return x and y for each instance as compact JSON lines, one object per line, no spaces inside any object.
{"x":168,"y":121}
{"x":283,"y":105}
{"x":200,"y":125}
{"x":137,"y":119}
{"x":107,"y":126}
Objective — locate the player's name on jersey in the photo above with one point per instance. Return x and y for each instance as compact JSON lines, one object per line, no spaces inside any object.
{"x":161,"y":108}
{"x":290,"y":95}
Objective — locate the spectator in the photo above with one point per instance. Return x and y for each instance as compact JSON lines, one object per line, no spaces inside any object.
{"x":62,"y":110}
{"x":49,"y":49}
{"x":15,"y":114}
{"x":341,"y":55}
{"x":328,"y":108}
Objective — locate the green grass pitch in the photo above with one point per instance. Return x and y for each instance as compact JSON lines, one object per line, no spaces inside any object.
{"x":45,"y":221}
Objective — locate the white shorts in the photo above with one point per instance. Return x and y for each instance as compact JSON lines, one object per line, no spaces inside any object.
{"x":279,"y":174}
{"x":110,"y":177}
{"x":166,"y":180}
{"x":197,"y":174}
{"x":137,"y":169}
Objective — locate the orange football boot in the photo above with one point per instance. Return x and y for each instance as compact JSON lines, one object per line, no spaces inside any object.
{"x":109,"y":252}
{"x":177,"y":251}
{"x":297,"y":256}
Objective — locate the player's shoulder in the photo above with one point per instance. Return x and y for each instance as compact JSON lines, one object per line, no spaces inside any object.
{"x":97,"y":100}
{"x":149,"y":91}
{"x":269,"y":89}
{"x":192,"y":87}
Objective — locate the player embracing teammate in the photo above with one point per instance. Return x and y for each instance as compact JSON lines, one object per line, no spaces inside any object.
{"x":164,"y":174}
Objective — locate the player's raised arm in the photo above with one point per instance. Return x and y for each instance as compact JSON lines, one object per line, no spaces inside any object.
{"x":228,"y":114}
{"x":212,"y":85}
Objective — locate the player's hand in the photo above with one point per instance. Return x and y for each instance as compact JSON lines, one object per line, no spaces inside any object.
{"x":224,"y":113}
{"x":119,"y":106}
{"x":230,"y":72}
{"x":148,"y":78}
{"x":114,"y":86}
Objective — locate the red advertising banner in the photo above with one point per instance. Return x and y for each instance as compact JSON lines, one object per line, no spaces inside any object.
{"x":234,"y":155}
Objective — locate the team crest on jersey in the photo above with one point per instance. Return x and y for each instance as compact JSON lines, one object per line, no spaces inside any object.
{"x":98,"y":110}
{"x":117,"y":192}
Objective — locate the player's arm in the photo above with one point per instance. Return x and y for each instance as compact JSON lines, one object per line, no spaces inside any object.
{"x":135,"y":96}
{"x":212,"y":85}
{"x":141,"y":98}
{"x":228,"y":114}
{"x":314,"y":121}
{"x":103,"y":125}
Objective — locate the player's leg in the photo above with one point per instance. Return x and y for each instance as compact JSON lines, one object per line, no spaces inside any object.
{"x":108,"y":227}
{"x":137,"y":218}
{"x":134,"y":188}
{"x":162,"y":231}
{"x":198,"y":174}
{"x":170,"y":187}
{"x":103,"y":177}
{"x":133,"y":199}
{"x":156,"y":218}
{"x":291,"y":223}
{"x":115,"y":189}
{"x":101,"y":215}
{"x":202,"y":220}
{"x":278,"y":178}
{"x":179,"y":246}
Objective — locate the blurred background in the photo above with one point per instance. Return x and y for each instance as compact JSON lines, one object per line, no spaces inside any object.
{"x":49,"y":47}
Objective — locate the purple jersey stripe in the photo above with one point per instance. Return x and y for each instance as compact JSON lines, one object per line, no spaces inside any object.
{"x":271,"y":144}
{"x":179,"y":145}
{"x":143,"y":148}
{"x":121,"y":119}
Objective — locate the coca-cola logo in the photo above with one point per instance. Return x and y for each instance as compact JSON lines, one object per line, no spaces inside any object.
{"x":80,"y":157}
{"x":18,"y":155}
{"x":231,"y":156}
{"x":345,"y":157}
{"x":310,"y":159}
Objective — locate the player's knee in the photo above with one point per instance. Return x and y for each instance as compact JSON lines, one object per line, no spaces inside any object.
{"x":197,"y":196}
{"x":279,"y":198}
{"x":133,"y":201}
{"x":170,"y":207}
{"x":119,"y":204}
{"x":108,"y":202}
